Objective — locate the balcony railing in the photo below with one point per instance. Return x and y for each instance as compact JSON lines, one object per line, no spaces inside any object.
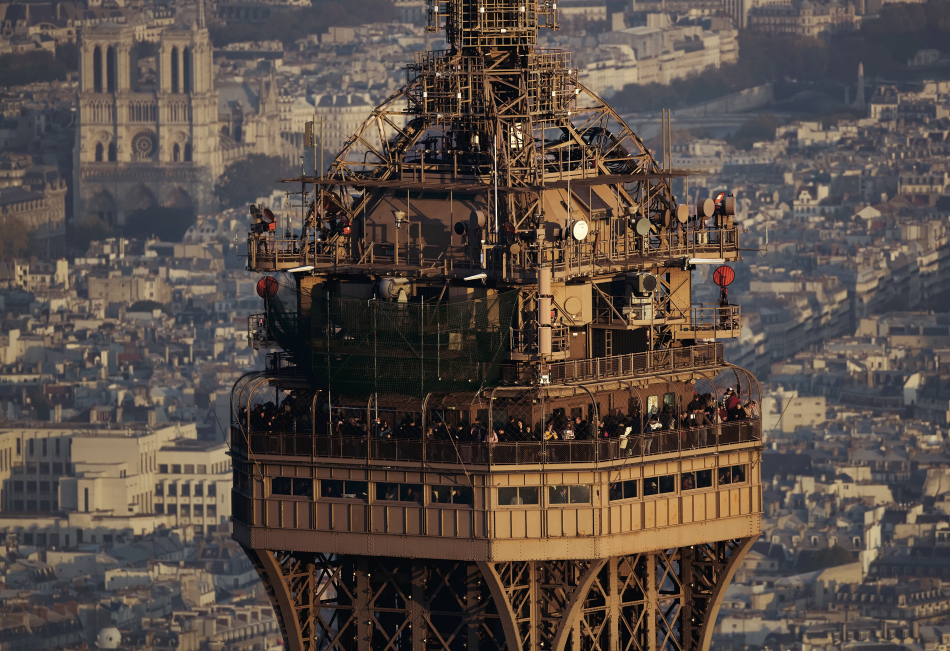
{"x":524,"y":342}
{"x":270,"y":252}
{"x":616,"y":366}
{"x":709,"y":321}
{"x":368,"y":449}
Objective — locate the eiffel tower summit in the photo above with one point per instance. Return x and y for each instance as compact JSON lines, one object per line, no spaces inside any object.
{"x":491,"y":416}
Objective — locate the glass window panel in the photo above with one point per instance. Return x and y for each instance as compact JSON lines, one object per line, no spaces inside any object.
{"x":463,"y":495}
{"x":667,"y":484}
{"x":331,"y":488}
{"x":387,"y":492}
{"x":529,"y":494}
{"x":355,"y":490}
{"x":281,"y":486}
{"x":630,"y":489}
{"x":704,"y":479}
{"x":580,"y":494}
{"x":508,"y":495}
{"x":410,"y":493}
{"x":303,"y":487}
{"x":558,"y":494}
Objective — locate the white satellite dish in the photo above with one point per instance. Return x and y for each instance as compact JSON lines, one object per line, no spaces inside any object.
{"x":579,"y":230}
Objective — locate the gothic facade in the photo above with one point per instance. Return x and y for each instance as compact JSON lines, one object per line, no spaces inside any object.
{"x":154,"y":130}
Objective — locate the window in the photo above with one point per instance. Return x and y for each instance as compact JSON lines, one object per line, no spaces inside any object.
{"x":176,"y":469}
{"x":18,"y":487}
{"x":199,"y":510}
{"x":57,"y":466}
{"x":30,"y":446}
{"x":44,"y":468}
{"x":18,"y":447}
{"x":295,"y":486}
{"x":186,"y":490}
{"x":568,"y":494}
{"x":163,"y":469}
{"x":199,"y":529}
{"x":732,"y":475}
{"x":176,"y":153}
{"x":189,"y":468}
{"x":160,"y":489}
{"x":623,"y":490}
{"x":202,"y":469}
{"x":172,"y":509}
{"x":186,"y":510}
{"x":44,"y":487}
{"x":45,"y":448}
{"x":160,"y":508}
{"x":354,"y":490}
{"x":112,"y":156}
{"x":99,"y":152}
{"x":657,"y":485}
{"x":399,"y":492}
{"x":463,"y":495}
{"x":517,"y":495}
{"x":212,"y":511}
{"x":56,"y":442}
{"x":173,"y":490}
{"x":199,"y":490}
{"x":212,"y":490}
{"x":693,"y":480}
{"x":31,"y":487}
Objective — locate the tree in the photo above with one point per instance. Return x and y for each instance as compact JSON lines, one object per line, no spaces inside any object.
{"x":758,"y":128}
{"x":89,"y":230}
{"x":246,"y":180}
{"x":167,"y":224}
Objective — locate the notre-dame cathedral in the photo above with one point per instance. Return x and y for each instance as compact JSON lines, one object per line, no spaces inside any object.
{"x":154,"y":131}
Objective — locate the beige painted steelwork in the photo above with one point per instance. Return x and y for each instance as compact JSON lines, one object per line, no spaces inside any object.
{"x":494,"y":418}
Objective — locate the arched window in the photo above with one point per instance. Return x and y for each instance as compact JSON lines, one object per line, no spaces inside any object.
{"x":187,"y":152}
{"x":98,"y":152}
{"x":186,"y":65}
{"x":112,"y":72}
{"x":176,"y":153}
{"x":97,"y":70}
{"x":111,"y":152}
{"x":174,"y":69}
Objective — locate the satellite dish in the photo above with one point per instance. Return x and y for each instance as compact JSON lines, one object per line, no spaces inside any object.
{"x":255,"y":212}
{"x":729,"y":205}
{"x":724,"y":275}
{"x":707,"y":207}
{"x":667,"y":218}
{"x":682,"y":213}
{"x":267,"y":287}
{"x":460,"y":228}
{"x":269,"y":216}
{"x":579,"y":230}
{"x":478,"y":218}
{"x":515,"y":248}
{"x":643,"y":226}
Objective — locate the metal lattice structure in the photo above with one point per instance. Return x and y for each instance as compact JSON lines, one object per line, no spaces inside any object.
{"x":493,"y":418}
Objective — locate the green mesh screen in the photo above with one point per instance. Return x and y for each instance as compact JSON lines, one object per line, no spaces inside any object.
{"x":357,"y":346}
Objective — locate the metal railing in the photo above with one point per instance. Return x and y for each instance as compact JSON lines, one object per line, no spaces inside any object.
{"x":368,"y":449}
{"x":524,"y":342}
{"x":714,"y":317}
{"x":271,"y":251}
{"x":652,"y":361}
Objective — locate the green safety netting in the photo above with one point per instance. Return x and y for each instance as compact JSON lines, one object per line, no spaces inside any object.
{"x":357,"y":346}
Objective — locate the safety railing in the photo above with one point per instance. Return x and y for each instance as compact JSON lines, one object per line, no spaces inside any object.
{"x":721,"y":319}
{"x":653,"y":361}
{"x":269,"y":251}
{"x":524,"y":342}
{"x":365,"y":448}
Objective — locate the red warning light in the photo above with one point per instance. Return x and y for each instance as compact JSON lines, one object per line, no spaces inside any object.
{"x":724,"y":276}
{"x":267,"y":287}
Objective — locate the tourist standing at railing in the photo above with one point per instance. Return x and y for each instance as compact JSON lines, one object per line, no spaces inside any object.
{"x":549,"y":433}
{"x":581,"y":429}
{"x":479,"y":433}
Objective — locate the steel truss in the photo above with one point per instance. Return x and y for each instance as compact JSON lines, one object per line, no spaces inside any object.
{"x":657,"y":601}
